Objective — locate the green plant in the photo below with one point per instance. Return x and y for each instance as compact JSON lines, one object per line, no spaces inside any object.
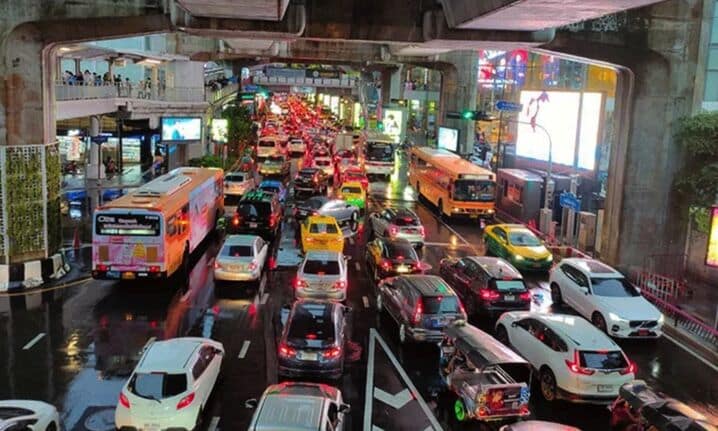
{"x":240,"y":132}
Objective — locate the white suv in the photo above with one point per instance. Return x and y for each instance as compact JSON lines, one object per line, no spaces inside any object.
{"x":604,"y":296}
{"x":322,"y":275}
{"x":170,"y":385}
{"x":575,"y":361}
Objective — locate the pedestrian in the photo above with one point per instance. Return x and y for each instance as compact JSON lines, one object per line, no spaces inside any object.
{"x":79,"y":79}
{"x":129,"y":87}
{"x":106,"y":78}
{"x":87,"y":77}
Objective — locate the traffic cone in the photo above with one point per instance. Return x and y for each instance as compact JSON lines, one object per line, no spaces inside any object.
{"x":76,"y":239}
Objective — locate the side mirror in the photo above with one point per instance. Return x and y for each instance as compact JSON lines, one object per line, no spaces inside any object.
{"x":345,"y":409}
{"x":347,"y":258}
{"x":514,"y":324}
{"x":584,"y":289}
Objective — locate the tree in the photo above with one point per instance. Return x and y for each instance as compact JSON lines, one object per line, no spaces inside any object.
{"x":697,"y":182}
{"x":240,"y":132}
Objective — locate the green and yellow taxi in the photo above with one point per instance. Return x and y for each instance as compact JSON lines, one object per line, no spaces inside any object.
{"x":517,"y":244}
{"x":353,"y":193}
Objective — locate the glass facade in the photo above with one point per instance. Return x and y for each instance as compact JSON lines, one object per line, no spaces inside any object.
{"x":710,"y":95}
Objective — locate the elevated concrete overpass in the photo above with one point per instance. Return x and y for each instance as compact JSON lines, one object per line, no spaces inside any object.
{"x":438,"y":34}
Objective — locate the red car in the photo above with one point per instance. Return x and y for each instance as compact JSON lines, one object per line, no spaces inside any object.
{"x":355,"y":174}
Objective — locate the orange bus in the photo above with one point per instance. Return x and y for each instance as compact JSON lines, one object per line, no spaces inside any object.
{"x":454,"y":185}
{"x":151,"y":232}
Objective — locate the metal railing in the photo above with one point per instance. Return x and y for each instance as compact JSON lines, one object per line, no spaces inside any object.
{"x":683,"y":320}
{"x":310,"y":82}
{"x":217,"y":95}
{"x":64,"y":91}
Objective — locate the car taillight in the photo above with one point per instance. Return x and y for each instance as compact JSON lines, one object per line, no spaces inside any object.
{"x":272,"y":220}
{"x":489,"y":295}
{"x":386,"y":264}
{"x":418,"y":311}
{"x":217,"y":265}
{"x":332,"y":353}
{"x":422,"y":231}
{"x":154,"y":268}
{"x":235,"y":220}
{"x":575,"y":367}
{"x":101,"y":267}
{"x":286,"y":351}
{"x":299,"y":283}
{"x":393,"y":230}
{"x":462,"y":310}
{"x":341,"y":284}
{"x":630,"y":369}
{"x":526,"y":296}
{"x":252,"y":265}
{"x":184,"y":402}
{"x":124,"y":401}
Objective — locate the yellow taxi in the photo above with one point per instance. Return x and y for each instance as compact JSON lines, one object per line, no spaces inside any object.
{"x":517,"y":244}
{"x":353,"y":193}
{"x":321,"y":233}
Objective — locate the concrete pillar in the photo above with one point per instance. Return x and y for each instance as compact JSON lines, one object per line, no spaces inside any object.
{"x":155,"y":82}
{"x":458,"y":93}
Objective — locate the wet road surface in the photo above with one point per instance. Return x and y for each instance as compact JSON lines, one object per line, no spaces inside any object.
{"x":75,"y":347}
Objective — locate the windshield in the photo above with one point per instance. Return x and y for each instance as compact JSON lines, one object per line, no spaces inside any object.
{"x":615,"y":287}
{"x":351,"y":190}
{"x":312,"y":322}
{"x":603,"y":360}
{"x":237,"y":251}
{"x":266,"y":143}
{"x":510,"y":285}
{"x":237,"y":178}
{"x":408,"y":220}
{"x":315,"y":203}
{"x":127,"y":224}
{"x":321,"y":267}
{"x":232,"y":200}
{"x":441,"y":305}
{"x":270,"y":189}
{"x":322,"y":162}
{"x":379,"y":152}
{"x":254,"y":209}
{"x":523,"y":238}
{"x":400,"y":250}
{"x":323,"y":228}
{"x":157,"y":385}
{"x":474,"y":191}
{"x":275,"y":159}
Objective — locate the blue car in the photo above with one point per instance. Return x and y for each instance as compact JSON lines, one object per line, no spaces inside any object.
{"x":276,"y":187}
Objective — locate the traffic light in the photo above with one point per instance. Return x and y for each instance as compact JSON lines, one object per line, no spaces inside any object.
{"x":470,"y":115}
{"x":380,"y":126}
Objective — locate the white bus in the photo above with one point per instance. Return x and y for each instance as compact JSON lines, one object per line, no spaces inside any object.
{"x":379,"y":153}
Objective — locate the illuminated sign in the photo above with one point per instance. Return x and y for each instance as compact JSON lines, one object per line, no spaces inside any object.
{"x":393,"y":121}
{"x":712,"y":253}
{"x":219,"y":130}
{"x":448,"y":138}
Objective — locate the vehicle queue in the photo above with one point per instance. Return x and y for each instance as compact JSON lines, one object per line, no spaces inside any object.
{"x":573,"y":357}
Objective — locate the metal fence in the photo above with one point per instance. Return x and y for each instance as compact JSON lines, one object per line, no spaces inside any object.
{"x":163,"y":94}
{"x":682,"y":320}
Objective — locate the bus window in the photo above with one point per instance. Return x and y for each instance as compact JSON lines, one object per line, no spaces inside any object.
{"x":172,"y":226}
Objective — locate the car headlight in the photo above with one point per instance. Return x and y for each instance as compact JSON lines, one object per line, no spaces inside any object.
{"x":661,"y":319}
{"x":616,"y":318}
{"x":518,"y":257}
{"x":549,"y":258}
{"x":489,"y":211}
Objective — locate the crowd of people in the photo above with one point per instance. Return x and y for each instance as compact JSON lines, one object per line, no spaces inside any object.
{"x":124,"y":85}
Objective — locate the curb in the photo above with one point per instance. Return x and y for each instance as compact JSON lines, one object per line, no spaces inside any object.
{"x":692,"y":344}
{"x":34,"y":273}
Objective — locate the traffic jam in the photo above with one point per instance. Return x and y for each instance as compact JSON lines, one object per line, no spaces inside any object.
{"x":321,"y":238}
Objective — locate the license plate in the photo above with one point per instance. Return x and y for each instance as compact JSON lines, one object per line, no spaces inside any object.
{"x":473,"y":216}
{"x":604,"y":388}
{"x":234,"y":267}
{"x":509,"y":297}
{"x":402,"y":268}
{"x":643,"y":332}
{"x":302,"y":213}
{"x":438,"y":323}
{"x":252,"y":225}
{"x":537,"y":264}
{"x":113,"y":274}
{"x":128,"y":275}
{"x":310,"y":356}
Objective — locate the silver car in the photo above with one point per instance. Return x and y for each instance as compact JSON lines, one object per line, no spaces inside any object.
{"x":397,"y":223}
{"x":345,"y":213}
{"x":299,"y":405}
{"x":241,"y":258}
{"x":322,"y":275}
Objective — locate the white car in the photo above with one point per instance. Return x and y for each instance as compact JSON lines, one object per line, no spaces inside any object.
{"x":27,"y":415}
{"x":241,"y":258}
{"x":269,"y":146}
{"x":322,"y":275}
{"x":604,"y":296}
{"x":238,"y":183}
{"x":575,"y":361}
{"x":326,"y":164}
{"x":297,"y":146}
{"x":171,"y":384}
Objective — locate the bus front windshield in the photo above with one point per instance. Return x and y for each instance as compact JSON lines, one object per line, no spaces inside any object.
{"x":474,"y":191}
{"x":127,"y":224}
{"x":379,"y":152}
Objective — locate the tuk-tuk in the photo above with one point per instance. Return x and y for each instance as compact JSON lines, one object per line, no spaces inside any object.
{"x":490,"y":381}
{"x":638,"y":407}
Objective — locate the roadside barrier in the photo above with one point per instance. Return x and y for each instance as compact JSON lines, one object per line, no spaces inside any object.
{"x":659,"y":286}
{"x":682,"y":320}
{"x":563,"y":251}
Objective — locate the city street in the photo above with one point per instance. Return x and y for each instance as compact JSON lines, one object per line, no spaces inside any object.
{"x":76,"y":346}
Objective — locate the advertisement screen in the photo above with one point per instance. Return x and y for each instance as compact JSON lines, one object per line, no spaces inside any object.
{"x":557,"y":112}
{"x":219,"y":130}
{"x":181,"y":129}
{"x":448,"y":138}
{"x":712,"y":253}
{"x":393,"y":121}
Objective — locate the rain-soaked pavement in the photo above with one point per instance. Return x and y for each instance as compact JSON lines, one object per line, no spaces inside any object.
{"x":93,"y":333}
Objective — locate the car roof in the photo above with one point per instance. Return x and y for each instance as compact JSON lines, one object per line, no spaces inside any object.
{"x":594,"y":268}
{"x":240,"y":239}
{"x":511,"y":226}
{"x":285,"y":387}
{"x":321,"y":219}
{"x":323,"y":255}
{"x":168,"y":355}
{"x":429,"y":285}
{"x":403,"y":212}
{"x":289,"y":413}
{"x":309,"y":170}
{"x":496,"y":267}
{"x":578,"y":330}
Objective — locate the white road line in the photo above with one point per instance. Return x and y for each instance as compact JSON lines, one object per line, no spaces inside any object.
{"x":357,"y":266}
{"x":34,"y":341}
{"x":694,"y":354}
{"x":264,"y":299}
{"x":351,"y":240}
{"x":213,"y":423}
{"x":395,"y":401}
{"x":365,"y":300}
{"x":368,"y":390}
{"x":243,"y":350}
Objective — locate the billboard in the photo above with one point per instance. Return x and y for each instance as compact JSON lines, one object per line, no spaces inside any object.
{"x":712,"y":253}
{"x":219,"y":130}
{"x":448,"y":138}
{"x":181,"y":128}
{"x":393,"y":121}
{"x":558,"y":113}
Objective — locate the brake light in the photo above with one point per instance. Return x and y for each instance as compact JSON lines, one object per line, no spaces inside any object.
{"x":332,"y":353}
{"x":286,"y":351}
{"x":461,"y":308}
{"x":272,"y":220}
{"x":393,"y":230}
{"x":418,"y":311}
{"x":489,"y":295}
{"x":422,"y":232}
{"x":235,"y":220}
{"x":217,"y":265}
{"x":252,"y":265}
{"x":575,"y":367}
{"x":341,"y":284}
{"x":124,"y":401}
{"x":526,"y":296}
{"x":154,"y":268}
{"x":630,"y":369}
{"x":386,"y":264}
{"x":184,"y":402}
{"x":101,"y":267}
{"x":299,"y":283}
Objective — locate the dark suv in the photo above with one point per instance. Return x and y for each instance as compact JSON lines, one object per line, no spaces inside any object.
{"x":311,"y":181}
{"x":421,"y":305}
{"x":258,"y":213}
{"x":488,"y":286}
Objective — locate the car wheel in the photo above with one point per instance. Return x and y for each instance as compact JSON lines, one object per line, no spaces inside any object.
{"x":402,"y":334}
{"x":556,"y":297}
{"x":379,"y":304}
{"x":502,"y":335}
{"x":51,"y":427}
{"x":599,"y":321}
{"x":548,"y":384}
{"x":459,"y":410}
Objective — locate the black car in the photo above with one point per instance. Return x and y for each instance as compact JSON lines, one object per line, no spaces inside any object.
{"x":311,"y":181}
{"x":421,"y":305}
{"x":312,"y":341}
{"x":258,"y":213}
{"x":488,"y":286}
{"x":390,"y":257}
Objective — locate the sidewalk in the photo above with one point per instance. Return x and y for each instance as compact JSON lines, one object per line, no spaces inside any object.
{"x":701,"y":301}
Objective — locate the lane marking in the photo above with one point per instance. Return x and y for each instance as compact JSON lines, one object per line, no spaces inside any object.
{"x":396,"y":401}
{"x":357,"y":266}
{"x":694,"y":354}
{"x":365,"y":300}
{"x":264,"y":299}
{"x":369,"y":382}
{"x":243,"y":351}
{"x":213,"y":423}
{"x":34,"y":341}
{"x":351,"y":240}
